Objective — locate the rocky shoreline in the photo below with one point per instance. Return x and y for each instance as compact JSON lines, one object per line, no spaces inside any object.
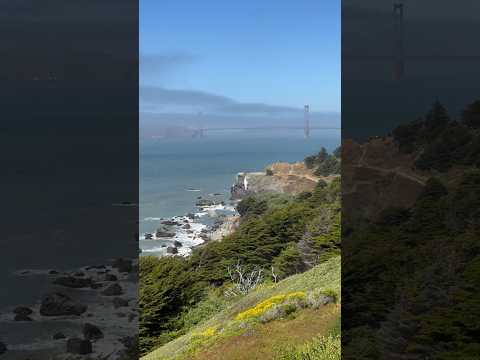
{"x":178,"y":235}
{"x":88,"y":311}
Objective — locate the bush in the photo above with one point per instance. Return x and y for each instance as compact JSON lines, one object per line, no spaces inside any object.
{"x":317,"y":299}
{"x":268,"y":304}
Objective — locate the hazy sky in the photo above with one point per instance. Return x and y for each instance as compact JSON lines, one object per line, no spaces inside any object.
{"x":244,"y":56}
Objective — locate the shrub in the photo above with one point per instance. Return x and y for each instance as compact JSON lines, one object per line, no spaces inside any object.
{"x":316,"y":299}
{"x":268,"y":304}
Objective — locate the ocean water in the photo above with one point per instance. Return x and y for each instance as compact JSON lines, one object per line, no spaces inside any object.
{"x":175,"y":172}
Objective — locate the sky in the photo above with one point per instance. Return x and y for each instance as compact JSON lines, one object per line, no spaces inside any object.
{"x":240,"y":58}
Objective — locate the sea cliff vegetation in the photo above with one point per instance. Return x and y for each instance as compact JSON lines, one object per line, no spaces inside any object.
{"x":287,"y":246}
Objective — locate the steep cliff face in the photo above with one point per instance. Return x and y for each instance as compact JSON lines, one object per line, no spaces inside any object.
{"x":279,"y":177}
{"x":375,"y":176}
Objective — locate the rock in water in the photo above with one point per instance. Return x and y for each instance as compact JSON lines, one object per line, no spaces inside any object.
{"x":164,"y":234}
{"x":23,"y":310}
{"x":3,"y":348}
{"x":92,"y":332}
{"x":113,"y":290}
{"x":79,"y":346}
{"x":56,"y":304}
{"x":172,"y":250}
{"x":73,"y":282}
{"x":58,"y":336}
{"x":170,"y":223}
{"x":205,"y":202}
{"x":177,"y":243}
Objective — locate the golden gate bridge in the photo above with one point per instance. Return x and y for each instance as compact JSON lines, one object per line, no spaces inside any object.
{"x":307,"y":127}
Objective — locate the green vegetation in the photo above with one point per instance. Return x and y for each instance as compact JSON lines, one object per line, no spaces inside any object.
{"x":442,"y":142}
{"x":421,"y":264}
{"x":320,"y":348}
{"x":246,"y":314}
{"x":281,"y":234}
{"x":323,"y":163}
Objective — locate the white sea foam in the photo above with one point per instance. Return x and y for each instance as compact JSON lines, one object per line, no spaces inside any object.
{"x":152,"y":219}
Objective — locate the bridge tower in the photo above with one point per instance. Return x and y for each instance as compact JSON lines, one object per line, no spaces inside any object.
{"x":398,"y":57}
{"x":307,"y":121}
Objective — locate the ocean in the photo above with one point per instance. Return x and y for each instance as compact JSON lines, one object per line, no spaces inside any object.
{"x":175,"y":173}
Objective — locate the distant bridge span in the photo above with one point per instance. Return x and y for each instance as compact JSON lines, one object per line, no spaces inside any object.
{"x":201,"y":132}
{"x":271,"y":128}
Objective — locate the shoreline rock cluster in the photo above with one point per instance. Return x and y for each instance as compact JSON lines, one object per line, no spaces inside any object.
{"x":110,"y":292}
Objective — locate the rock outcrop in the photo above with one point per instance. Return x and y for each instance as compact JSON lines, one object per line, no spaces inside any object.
{"x":279,"y":178}
{"x":57,"y":304}
{"x":92,"y":332}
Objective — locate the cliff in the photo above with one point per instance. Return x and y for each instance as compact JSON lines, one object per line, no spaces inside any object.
{"x":279,"y":177}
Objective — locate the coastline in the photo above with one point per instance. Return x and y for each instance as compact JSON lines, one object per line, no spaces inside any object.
{"x":178,"y":235}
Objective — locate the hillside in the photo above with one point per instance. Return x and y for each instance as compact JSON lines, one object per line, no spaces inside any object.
{"x":411,"y":241}
{"x":286,"y":178}
{"x":278,"y":237}
{"x":224,"y":337}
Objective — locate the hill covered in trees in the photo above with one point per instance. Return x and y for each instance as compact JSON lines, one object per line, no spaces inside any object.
{"x":411,"y":274}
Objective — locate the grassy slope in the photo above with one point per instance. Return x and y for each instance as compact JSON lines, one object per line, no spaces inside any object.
{"x":256,"y":340}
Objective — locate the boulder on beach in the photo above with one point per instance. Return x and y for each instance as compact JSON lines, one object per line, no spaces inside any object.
{"x":187,"y":226}
{"x":122,"y":265}
{"x":191,"y":216}
{"x":172,"y":250}
{"x":113,"y":290}
{"x":79,"y":346}
{"x":57,"y":304}
{"x":91,"y":332}
{"x":73,"y":282}
{"x":177,"y":243}
{"x":148,"y":236}
{"x":58,"y":336}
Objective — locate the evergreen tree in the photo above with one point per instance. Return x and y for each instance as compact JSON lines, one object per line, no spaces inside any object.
{"x":471,"y":115}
